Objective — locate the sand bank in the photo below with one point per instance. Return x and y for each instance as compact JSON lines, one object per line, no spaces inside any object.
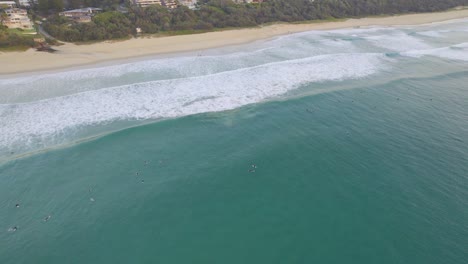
{"x":71,"y":55}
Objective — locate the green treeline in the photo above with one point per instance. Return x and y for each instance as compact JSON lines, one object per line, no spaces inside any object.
{"x":108,"y":25}
{"x":10,"y":39}
{"x":212,"y":14}
{"x":48,"y":5}
{"x":55,"y":6}
{"x":107,"y":4}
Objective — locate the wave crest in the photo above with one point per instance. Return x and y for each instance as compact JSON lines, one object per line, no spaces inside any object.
{"x":39,"y":123}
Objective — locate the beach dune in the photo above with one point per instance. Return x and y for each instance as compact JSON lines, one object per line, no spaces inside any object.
{"x":72,"y":55}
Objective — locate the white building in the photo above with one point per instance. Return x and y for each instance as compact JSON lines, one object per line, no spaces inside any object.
{"x":189,"y":3}
{"x":146,"y":3}
{"x":81,"y":12}
{"x":16,"y":11}
{"x":27,"y":3}
{"x":17,"y":18}
{"x":170,"y":3}
{"x":8,"y":4}
{"x":81,"y":15}
{"x":16,"y":21}
{"x":248,"y":1}
{"x":166,"y":3}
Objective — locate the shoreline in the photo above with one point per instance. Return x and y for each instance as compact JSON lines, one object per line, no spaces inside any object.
{"x":71,"y":55}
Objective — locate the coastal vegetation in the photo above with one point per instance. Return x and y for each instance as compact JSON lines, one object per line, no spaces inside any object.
{"x":215,"y":14}
{"x":55,"y":6}
{"x":208,"y":15}
{"x":108,"y":25}
{"x":15,"y":39}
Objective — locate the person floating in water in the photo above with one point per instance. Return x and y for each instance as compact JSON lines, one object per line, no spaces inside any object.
{"x":17,"y":205}
{"x":12,"y":229}
{"x":47,"y":218}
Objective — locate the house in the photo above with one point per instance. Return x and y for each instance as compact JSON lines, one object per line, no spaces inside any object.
{"x":88,"y":11}
{"x":146,"y":3}
{"x":82,"y":15}
{"x":188,"y":3}
{"x":16,"y":11}
{"x":248,"y":1}
{"x":170,"y":3}
{"x":17,"y":18}
{"x":27,"y":3}
{"x":82,"y":19}
{"x":167,"y":3}
{"x":7,"y":4}
{"x":18,"y":22}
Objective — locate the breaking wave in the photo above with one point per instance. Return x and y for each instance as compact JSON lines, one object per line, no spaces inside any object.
{"x":41,"y":121}
{"x":454,"y":52}
{"x":39,"y":111}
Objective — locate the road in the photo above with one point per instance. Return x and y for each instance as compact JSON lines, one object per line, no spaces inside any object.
{"x":44,"y":33}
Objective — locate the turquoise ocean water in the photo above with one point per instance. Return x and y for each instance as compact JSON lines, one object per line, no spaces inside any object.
{"x":345,"y":146}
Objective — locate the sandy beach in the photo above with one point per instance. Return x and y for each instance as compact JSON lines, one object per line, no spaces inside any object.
{"x":71,"y":55}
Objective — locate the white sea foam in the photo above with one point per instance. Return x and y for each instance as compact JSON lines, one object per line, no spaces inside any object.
{"x":431,"y":33}
{"x":39,"y":123}
{"x":200,"y":64}
{"x":37,"y":87}
{"x":455,"y":52}
{"x":43,"y":110}
{"x":362,"y":31}
{"x":398,"y":41}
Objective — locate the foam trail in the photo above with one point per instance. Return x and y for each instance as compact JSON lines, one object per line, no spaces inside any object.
{"x":40,"y":111}
{"x":41,"y":123}
{"x":455,"y":52}
{"x":432,"y":34}
{"x":37,"y":87}
{"x":399,"y":42}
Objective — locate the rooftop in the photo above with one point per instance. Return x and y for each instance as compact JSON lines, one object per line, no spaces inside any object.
{"x":83,"y":10}
{"x":8,"y":3}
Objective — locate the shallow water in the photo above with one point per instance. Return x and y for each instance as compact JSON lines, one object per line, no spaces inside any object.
{"x":345,"y":146}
